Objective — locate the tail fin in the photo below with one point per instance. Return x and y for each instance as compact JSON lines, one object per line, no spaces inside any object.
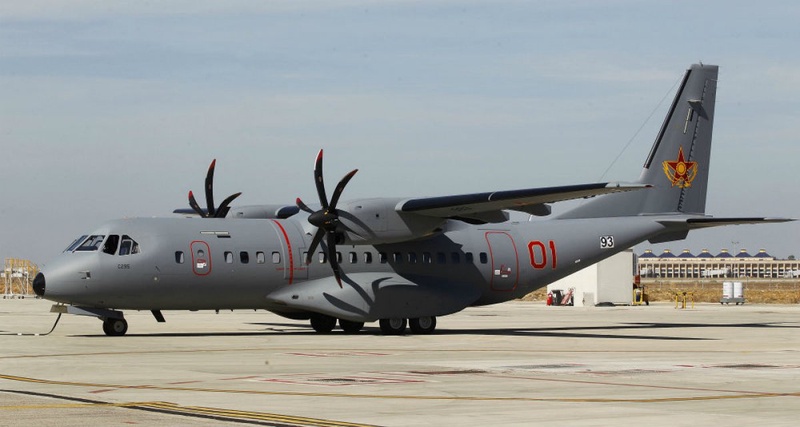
{"x":678,"y":164}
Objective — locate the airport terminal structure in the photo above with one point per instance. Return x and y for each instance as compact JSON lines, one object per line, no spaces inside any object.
{"x":686,"y":265}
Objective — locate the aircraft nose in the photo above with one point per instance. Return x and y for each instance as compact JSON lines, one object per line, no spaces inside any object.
{"x":39,"y":284}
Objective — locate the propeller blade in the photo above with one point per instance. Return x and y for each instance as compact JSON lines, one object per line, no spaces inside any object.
{"x":331,"y":241}
{"x":319,"y":182}
{"x":210,"y":188}
{"x":314,"y":243}
{"x":327,"y":218}
{"x":303,"y":206}
{"x":223,"y":209}
{"x":340,"y":188}
{"x":194,"y":205}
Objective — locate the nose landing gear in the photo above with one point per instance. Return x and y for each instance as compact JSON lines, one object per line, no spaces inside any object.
{"x":114,"y":323}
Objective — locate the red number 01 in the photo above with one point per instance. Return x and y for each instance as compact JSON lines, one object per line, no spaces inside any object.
{"x":538,"y":253}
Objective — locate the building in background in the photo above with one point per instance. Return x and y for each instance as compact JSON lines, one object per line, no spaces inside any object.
{"x":723,"y":264}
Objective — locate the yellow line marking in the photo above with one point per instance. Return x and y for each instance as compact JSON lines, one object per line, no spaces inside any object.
{"x":195,"y":410}
{"x":250,"y":415}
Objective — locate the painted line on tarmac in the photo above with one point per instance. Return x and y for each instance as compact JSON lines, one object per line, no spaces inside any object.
{"x":363,"y":352}
{"x":733,"y":393}
{"x":729,"y":396}
{"x":218,"y":414}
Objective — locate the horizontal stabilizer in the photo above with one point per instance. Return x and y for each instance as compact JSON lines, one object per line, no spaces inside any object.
{"x":697,"y":223}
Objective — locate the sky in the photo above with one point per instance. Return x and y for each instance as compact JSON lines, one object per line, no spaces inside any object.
{"x":115,"y":109}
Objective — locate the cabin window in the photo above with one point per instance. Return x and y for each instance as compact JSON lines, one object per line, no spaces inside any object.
{"x":276,"y":257}
{"x":179,"y":257}
{"x":353,"y":257}
{"x":397,"y":257}
{"x":456,"y":257}
{"x":468,"y":258}
{"x":228,"y":257}
{"x":427,"y":258}
{"x":412,"y":257}
{"x":91,"y":244}
{"x":260,"y":258}
{"x":367,"y":257}
{"x":383,"y":258}
{"x":323,"y":258}
{"x":484,"y":257}
{"x":339,"y":257}
{"x":128,"y":246}
{"x":441,"y":258}
{"x":244,"y":257}
{"x":110,"y":247}
{"x":75,"y":243}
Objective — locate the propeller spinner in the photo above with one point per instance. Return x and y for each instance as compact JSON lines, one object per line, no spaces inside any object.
{"x":212,"y":211}
{"x":326,"y":219}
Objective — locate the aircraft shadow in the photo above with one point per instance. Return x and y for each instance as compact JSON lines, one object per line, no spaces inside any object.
{"x":581,"y":332}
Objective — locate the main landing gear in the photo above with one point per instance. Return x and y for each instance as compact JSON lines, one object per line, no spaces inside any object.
{"x":115,"y":327}
{"x":392,"y":326}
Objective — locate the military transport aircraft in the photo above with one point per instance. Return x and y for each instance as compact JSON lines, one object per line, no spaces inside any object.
{"x":398,"y":261}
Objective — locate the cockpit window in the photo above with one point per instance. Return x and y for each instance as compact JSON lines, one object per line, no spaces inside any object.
{"x":91,"y":244}
{"x":75,"y":243}
{"x":110,"y":247}
{"x":128,"y":246}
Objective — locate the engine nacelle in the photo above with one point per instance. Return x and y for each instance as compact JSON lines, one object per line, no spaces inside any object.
{"x":263,"y":212}
{"x":377,"y":221}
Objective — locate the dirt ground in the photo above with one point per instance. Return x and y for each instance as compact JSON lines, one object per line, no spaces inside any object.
{"x":755,"y":291}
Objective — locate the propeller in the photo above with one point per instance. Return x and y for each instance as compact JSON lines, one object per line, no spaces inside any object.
{"x":211,"y":211}
{"x":326,"y":219}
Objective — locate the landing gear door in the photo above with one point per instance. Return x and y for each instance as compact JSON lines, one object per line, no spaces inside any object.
{"x":201,"y":258}
{"x":504,"y":261}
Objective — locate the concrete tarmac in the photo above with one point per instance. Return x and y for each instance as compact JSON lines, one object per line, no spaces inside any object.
{"x":518,"y":363}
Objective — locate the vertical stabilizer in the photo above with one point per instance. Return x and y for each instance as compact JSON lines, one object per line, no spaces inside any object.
{"x":678,"y":164}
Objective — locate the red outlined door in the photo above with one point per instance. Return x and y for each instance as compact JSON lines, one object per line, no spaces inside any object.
{"x":291,"y":261}
{"x":201,"y":258}
{"x":504,"y":261}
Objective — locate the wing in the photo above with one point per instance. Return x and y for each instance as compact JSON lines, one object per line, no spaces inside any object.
{"x":488,"y":207}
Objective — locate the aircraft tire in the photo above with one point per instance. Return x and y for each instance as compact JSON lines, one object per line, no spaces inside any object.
{"x":423,"y":325}
{"x":350,"y":327}
{"x":393,"y":326}
{"x":322,"y":323}
{"x":115,"y":327}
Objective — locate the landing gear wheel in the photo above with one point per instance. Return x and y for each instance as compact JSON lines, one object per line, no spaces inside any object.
{"x":350,"y":327}
{"x":322,"y":323}
{"x":393,"y":326}
{"x":422,"y":325}
{"x":115,"y":327}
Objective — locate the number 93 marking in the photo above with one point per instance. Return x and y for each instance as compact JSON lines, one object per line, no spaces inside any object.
{"x":606,"y":242}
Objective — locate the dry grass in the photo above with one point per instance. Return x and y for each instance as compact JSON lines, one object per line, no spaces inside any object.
{"x":755,"y":291}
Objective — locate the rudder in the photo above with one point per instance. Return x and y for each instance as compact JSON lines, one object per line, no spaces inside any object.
{"x":678,"y":164}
